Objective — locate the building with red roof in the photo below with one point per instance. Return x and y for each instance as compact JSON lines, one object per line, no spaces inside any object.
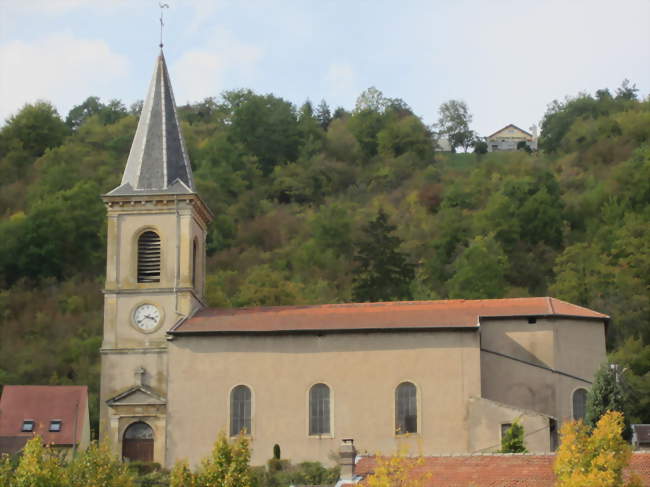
{"x":433,"y":376}
{"x":58,"y":414}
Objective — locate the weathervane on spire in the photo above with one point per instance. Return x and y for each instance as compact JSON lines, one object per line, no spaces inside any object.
{"x":162,"y":6}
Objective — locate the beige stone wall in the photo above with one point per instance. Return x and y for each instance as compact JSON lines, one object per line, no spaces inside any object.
{"x":575,"y":347}
{"x":179,"y":221}
{"x":486,"y":417}
{"x":362,"y":371}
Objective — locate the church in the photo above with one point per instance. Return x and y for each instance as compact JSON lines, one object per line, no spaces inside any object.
{"x":433,"y":377}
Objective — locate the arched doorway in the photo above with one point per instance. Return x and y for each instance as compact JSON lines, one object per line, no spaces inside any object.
{"x":137,"y":444}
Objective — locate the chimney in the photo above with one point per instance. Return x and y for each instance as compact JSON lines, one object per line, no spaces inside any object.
{"x":347,"y":457}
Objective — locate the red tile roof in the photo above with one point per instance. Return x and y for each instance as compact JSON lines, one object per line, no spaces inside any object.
{"x":494,"y":470}
{"x":43,"y":404}
{"x":457,"y":313}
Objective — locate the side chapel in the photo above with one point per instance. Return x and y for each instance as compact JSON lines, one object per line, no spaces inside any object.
{"x":433,"y":376}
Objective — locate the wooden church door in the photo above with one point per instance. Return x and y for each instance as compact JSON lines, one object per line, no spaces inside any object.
{"x":137,"y":444}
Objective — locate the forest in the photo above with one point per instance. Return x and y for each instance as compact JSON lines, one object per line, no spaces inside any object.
{"x":316,"y":205}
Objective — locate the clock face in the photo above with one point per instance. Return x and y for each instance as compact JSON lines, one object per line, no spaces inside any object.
{"x":146,"y":317}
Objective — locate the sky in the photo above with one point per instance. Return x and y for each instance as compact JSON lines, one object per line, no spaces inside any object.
{"x":506,"y":59}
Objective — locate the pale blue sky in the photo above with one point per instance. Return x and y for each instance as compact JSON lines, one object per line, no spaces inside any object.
{"x":506,"y":59}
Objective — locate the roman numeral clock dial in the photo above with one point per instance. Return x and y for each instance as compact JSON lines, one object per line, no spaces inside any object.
{"x":147,"y":317}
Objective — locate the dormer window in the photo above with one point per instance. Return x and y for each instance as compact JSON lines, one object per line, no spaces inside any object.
{"x":55,"y":425}
{"x":149,"y":257}
{"x":28,"y":426}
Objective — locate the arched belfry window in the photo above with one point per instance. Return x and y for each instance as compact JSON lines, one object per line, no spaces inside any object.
{"x":149,"y":257}
{"x":319,"y":410}
{"x":579,"y":404}
{"x":406,"y":409}
{"x":240,"y":411}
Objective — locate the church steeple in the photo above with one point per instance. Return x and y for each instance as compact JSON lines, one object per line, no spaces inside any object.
{"x":158,"y":161}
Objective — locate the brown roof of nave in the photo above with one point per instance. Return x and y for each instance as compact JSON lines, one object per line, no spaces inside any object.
{"x":493,"y":470}
{"x":402,"y":315}
{"x":42,"y":404}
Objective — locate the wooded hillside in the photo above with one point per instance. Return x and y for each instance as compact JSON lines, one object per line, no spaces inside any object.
{"x":301,"y":194}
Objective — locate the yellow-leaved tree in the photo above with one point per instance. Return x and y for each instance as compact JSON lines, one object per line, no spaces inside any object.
{"x":593,"y":458}
{"x":398,"y":471}
{"x":227,"y":466}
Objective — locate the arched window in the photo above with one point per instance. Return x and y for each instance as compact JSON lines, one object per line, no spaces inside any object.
{"x":406,"y":409}
{"x":149,"y":257}
{"x":579,"y":404}
{"x":137,"y":444}
{"x":240,"y":410}
{"x":319,"y":410}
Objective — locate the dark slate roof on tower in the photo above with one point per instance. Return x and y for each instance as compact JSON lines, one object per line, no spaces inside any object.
{"x":158,"y":161}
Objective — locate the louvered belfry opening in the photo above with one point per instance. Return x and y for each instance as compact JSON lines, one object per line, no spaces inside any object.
{"x":149,"y":257}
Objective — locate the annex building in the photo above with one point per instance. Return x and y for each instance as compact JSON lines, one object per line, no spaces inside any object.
{"x":433,"y":376}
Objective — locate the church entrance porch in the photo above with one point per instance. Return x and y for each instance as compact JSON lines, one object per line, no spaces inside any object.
{"x":137,"y":444}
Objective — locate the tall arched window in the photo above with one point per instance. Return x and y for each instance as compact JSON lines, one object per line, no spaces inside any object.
{"x":137,"y":444}
{"x":579,"y":404}
{"x":406,"y":408}
{"x":240,"y":410}
{"x":319,"y":410}
{"x":149,"y":257}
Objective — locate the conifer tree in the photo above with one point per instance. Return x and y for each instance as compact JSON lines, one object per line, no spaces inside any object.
{"x":606,"y":394}
{"x":382,"y":272}
{"x":513,"y":439}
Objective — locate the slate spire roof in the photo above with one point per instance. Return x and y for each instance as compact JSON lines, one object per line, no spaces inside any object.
{"x":158,"y":161}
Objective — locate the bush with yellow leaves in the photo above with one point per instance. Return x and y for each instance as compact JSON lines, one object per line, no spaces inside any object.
{"x":593,"y":458}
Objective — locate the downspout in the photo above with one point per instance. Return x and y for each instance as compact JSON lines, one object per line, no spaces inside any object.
{"x":74,"y":429}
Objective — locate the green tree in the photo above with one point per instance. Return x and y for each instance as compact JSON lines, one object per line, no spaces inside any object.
{"x":405,"y":134}
{"x":267,"y":126}
{"x":606,"y":394}
{"x":513,"y":439}
{"x":181,"y":475}
{"x":453,"y":121}
{"x":323,"y":115}
{"x":633,"y":357}
{"x":39,"y":466}
{"x":98,"y":466}
{"x":36,"y":127}
{"x":382,"y":272}
{"x":479,"y":271}
{"x":227,"y":465}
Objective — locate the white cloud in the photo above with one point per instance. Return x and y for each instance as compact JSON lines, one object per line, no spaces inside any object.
{"x":341,"y":80}
{"x":202,"y":72}
{"x":60,"y":6}
{"x":60,"y":68}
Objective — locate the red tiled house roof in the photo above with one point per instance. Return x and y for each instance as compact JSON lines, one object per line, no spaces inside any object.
{"x":494,"y":470}
{"x":405,"y":315}
{"x":42,"y":404}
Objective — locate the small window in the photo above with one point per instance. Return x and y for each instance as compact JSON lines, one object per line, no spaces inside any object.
{"x":240,"y":411}
{"x":319,"y":410}
{"x":406,"y":409}
{"x":149,"y":257}
{"x":504,"y":428}
{"x":55,"y":425}
{"x":28,"y":425}
{"x":532,"y":320}
{"x":579,"y":404}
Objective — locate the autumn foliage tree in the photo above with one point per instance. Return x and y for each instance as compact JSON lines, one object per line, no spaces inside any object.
{"x":593,"y":458}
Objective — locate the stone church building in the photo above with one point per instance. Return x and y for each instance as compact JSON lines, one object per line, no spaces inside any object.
{"x":432,"y":376}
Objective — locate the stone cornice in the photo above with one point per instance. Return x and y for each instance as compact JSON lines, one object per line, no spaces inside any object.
{"x":156,"y":202}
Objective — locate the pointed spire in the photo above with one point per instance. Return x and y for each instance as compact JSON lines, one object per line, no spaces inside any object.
{"x":158,"y":160}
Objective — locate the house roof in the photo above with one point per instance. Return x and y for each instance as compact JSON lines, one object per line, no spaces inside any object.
{"x":505,"y":470}
{"x":42,"y":404}
{"x":510,"y":125}
{"x":158,"y":159}
{"x":404,"y":315}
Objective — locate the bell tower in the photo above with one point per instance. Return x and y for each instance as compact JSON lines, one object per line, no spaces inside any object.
{"x":155,"y":274}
